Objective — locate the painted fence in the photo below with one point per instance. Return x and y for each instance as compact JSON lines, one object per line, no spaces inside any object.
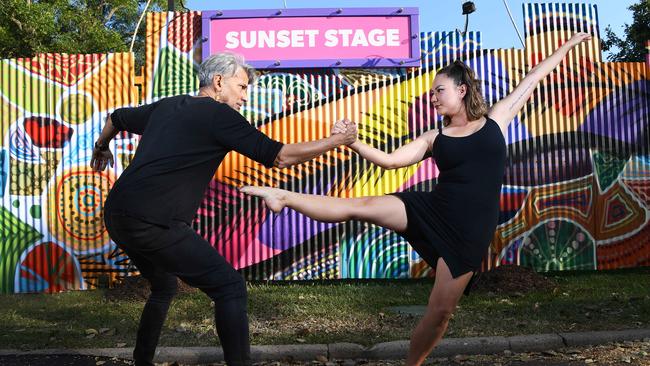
{"x":576,"y":192}
{"x":52,"y":107}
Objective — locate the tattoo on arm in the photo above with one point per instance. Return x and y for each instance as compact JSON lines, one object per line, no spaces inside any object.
{"x":521,"y":95}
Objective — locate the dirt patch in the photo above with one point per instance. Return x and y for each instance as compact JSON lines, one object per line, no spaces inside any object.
{"x":506,"y":279}
{"x":510,"y":279}
{"x":137,"y":288}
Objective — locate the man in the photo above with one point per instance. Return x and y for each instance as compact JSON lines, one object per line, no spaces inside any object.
{"x":150,"y":207}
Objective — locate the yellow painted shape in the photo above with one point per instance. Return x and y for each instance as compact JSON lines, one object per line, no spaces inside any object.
{"x":76,"y":108}
{"x":75,"y":208}
{"x":31,"y":92}
{"x":9,"y":114}
{"x":387,"y":113}
{"x":111,"y":84}
{"x":155,"y":24}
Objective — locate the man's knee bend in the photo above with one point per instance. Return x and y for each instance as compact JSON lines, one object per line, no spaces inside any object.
{"x":237,"y":289}
{"x":232,"y":290}
{"x":164,"y":293}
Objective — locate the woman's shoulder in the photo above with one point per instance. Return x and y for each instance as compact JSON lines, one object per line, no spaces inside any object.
{"x":431,"y":134}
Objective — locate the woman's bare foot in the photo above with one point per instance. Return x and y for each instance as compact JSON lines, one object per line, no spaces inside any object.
{"x":273,"y":197}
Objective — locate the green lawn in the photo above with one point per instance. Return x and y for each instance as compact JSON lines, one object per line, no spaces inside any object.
{"x":331,"y":312}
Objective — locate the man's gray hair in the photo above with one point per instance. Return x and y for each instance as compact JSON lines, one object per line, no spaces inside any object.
{"x":225,"y":64}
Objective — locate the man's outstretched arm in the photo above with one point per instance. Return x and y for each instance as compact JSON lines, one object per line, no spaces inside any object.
{"x":292,"y":154}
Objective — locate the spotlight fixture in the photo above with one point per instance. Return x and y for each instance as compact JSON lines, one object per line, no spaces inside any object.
{"x":468,"y":8}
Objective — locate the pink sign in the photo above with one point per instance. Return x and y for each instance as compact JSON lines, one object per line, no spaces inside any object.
{"x":316,"y":37}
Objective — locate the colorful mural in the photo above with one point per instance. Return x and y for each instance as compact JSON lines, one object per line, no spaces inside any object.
{"x":577,"y":156}
{"x":576,"y":192}
{"x":53,"y":107}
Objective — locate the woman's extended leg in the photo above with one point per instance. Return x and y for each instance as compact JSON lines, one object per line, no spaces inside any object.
{"x":443,"y":300}
{"x":385,"y":211}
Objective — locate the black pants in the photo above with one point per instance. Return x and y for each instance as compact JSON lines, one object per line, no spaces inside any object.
{"x":161,"y":255}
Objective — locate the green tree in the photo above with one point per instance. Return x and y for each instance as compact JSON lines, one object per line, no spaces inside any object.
{"x":633,"y":46}
{"x":28,"y":27}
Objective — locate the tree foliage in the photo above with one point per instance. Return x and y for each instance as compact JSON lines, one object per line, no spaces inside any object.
{"x":633,"y":46}
{"x":29,"y":27}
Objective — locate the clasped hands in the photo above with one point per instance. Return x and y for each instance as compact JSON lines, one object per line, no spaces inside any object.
{"x":347,"y":128}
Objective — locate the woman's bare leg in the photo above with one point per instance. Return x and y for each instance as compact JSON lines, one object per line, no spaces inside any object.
{"x":385,"y":211}
{"x":389,"y":212}
{"x":443,"y":300}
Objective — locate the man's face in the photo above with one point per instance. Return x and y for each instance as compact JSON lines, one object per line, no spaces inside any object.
{"x":233,"y":90}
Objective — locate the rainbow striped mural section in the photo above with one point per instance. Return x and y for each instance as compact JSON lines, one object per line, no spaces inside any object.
{"x":576,"y":192}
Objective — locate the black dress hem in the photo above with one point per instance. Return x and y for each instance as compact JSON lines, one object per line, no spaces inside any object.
{"x":427,"y":249}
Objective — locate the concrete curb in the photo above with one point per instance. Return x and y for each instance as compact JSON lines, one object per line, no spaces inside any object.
{"x":593,"y":338}
{"x":381,"y":351}
{"x":470,"y":346}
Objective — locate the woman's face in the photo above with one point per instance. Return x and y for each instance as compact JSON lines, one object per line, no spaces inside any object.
{"x":446,"y":96}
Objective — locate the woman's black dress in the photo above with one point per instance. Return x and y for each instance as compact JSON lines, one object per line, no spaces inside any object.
{"x":457,"y":220}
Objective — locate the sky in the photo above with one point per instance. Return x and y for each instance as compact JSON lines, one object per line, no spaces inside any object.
{"x":490,"y":18}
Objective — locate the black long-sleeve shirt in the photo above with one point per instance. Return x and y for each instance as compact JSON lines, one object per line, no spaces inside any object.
{"x":184,"y":140}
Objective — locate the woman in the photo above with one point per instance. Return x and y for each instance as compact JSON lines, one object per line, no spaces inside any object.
{"x":452,"y":226}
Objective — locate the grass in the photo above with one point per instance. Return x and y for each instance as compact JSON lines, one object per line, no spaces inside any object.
{"x":331,"y":312}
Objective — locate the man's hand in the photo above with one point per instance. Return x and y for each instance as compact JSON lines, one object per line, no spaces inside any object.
{"x":347,"y":128}
{"x":101,"y":158}
{"x":339,"y":127}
